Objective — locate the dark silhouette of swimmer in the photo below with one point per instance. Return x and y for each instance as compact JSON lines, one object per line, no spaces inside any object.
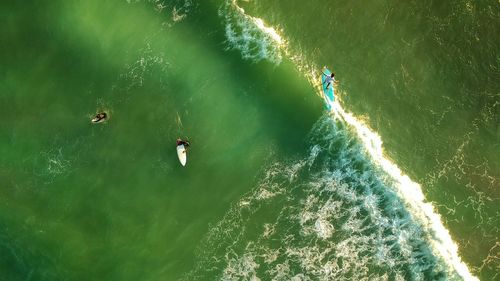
{"x":100,"y":117}
{"x":182,"y":142}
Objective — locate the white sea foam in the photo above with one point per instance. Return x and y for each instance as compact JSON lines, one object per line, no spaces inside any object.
{"x":52,"y":164}
{"x":179,"y":9}
{"x":137,"y":72}
{"x":250,"y":35}
{"x":411,"y":192}
{"x":241,"y":268}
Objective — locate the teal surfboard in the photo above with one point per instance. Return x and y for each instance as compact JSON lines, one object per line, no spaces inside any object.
{"x":328,"y":93}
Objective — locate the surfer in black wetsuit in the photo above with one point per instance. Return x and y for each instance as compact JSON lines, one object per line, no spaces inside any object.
{"x":182,"y":142}
{"x":100,"y":117}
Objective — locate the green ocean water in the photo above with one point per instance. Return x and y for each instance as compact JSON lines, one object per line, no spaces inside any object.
{"x":274,"y":187}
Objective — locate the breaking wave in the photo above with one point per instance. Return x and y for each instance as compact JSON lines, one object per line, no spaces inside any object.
{"x":350,"y":214}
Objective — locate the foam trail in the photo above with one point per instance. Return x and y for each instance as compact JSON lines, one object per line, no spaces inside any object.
{"x":410,"y":191}
{"x":250,"y":35}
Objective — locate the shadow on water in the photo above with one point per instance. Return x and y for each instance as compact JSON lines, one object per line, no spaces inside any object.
{"x":280,"y":93}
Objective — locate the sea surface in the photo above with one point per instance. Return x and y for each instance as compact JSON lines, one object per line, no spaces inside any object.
{"x":401,"y":181}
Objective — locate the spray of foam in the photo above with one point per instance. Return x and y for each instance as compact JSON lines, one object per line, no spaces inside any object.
{"x":257,"y":41}
{"x":411,"y":192}
{"x":250,"y":35}
{"x":51,"y":164}
{"x":179,"y":9}
{"x":408,"y":190}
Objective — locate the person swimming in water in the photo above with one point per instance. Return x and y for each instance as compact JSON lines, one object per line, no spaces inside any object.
{"x":100,"y":117}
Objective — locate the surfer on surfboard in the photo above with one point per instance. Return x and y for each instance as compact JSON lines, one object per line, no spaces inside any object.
{"x":181,"y":151}
{"x":182,"y":142}
{"x":100,"y":117}
{"x":329,"y":79}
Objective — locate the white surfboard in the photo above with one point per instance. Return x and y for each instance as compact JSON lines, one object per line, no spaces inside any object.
{"x":182,"y":154}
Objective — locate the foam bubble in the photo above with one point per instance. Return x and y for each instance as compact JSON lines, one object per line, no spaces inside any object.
{"x":137,"y":72}
{"x":241,"y":267}
{"x":51,"y":164}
